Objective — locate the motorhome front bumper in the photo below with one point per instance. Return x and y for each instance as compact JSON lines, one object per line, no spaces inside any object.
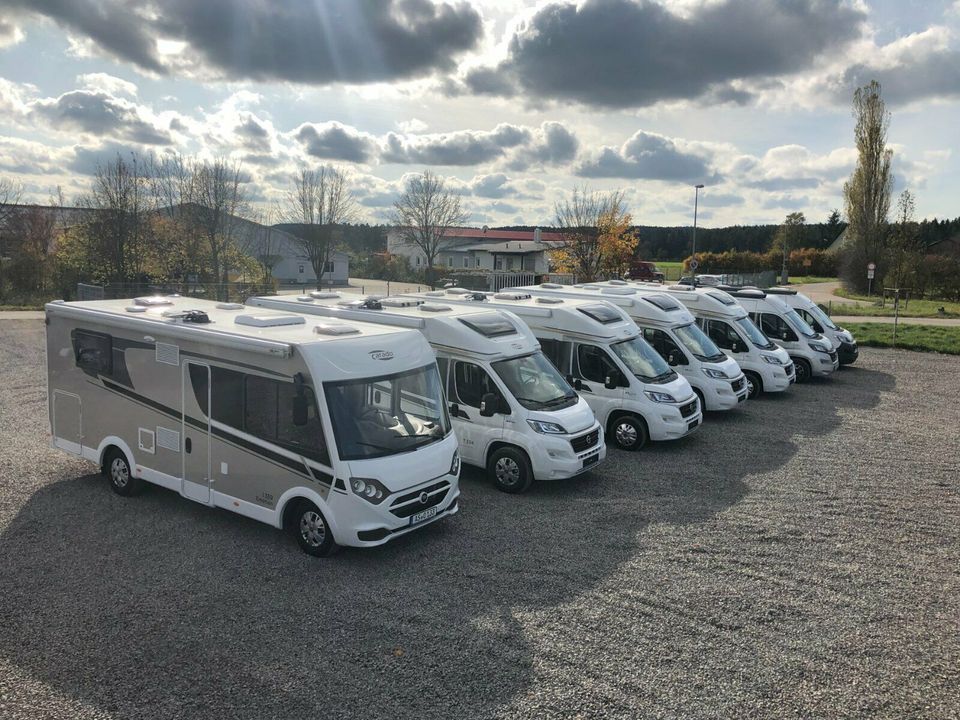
{"x":374,"y":534}
{"x":560,"y":457}
{"x":848,"y":353}
{"x":672,"y":422}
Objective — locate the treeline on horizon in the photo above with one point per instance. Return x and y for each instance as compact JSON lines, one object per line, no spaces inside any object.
{"x":673,"y":243}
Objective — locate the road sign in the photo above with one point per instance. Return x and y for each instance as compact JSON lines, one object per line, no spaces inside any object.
{"x":694,"y":264}
{"x":870,"y":274}
{"x":871,"y":266}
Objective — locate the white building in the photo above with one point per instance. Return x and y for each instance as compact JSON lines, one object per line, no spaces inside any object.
{"x":483,"y":250}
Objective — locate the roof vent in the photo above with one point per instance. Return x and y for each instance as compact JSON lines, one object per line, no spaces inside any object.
{"x":304,"y":298}
{"x":549,"y":300}
{"x":435,"y":293}
{"x":551,"y":286}
{"x":152,"y":301}
{"x":269,"y":320}
{"x":400,"y":302}
{"x":188,"y":316}
{"x":457,"y":291}
{"x":512,"y":296}
{"x":435,"y":307}
{"x":230,"y":306}
{"x":320,"y":295}
{"x":619,"y":282}
{"x":619,"y":291}
{"x":136,"y":308}
{"x":335,"y":329}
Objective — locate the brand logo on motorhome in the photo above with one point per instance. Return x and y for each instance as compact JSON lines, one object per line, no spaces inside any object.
{"x":424,"y":498}
{"x":381,"y":355}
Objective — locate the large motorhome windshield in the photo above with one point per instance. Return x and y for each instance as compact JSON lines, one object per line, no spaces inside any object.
{"x":643,"y":361}
{"x":375,"y":417}
{"x":753,"y":333}
{"x":535,"y":382}
{"x":798,"y":323}
{"x":699,"y":345}
{"x":821,"y":317}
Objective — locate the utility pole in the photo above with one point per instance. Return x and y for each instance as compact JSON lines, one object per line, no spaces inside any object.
{"x":693,"y":255}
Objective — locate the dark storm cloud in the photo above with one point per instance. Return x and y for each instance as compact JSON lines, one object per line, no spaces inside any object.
{"x":86,"y":160}
{"x":647,"y":156}
{"x":466,"y":147}
{"x":554,"y":144}
{"x":333,"y":141}
{"x":252,"y":134}
{"x":95,"y":112}
{"x":626,"y":53}
{"x":354,"y":41}
{"x":933,"y":75}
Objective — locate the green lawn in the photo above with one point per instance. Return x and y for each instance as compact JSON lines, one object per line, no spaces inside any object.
{"x":912,"y":308}
{"x":671,"y":270}
{"x":807,"y":279}
{"x":21,"y":307}
{"x":926,"y":338}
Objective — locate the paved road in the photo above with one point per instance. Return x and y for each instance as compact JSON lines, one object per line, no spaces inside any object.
{"x":796,"y":558}
{"x":824,"y":293}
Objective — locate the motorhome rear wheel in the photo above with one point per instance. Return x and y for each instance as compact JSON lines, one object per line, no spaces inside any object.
{"x":117,"y":469}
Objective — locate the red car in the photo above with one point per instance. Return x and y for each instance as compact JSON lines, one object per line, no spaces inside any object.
{"x":647,"y":271}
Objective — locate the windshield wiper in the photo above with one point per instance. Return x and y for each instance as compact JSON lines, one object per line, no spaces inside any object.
{"x":540,"y":403}
{"x":558,"y":400}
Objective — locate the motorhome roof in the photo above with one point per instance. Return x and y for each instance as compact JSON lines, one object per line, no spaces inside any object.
{"x":651,"y":306}
{"x":452,"y":325}
{"x":780,"y":291}
{"x":168,"y":315}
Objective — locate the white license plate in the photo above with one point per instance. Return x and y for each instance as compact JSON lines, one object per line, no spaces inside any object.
{"x":424,"y":515}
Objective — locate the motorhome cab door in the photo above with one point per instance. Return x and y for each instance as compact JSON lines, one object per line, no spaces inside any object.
{"x":195,"y":431}
{"x":467,"y":384}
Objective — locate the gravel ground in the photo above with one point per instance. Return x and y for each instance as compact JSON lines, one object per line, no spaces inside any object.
{"x":796,"y":558}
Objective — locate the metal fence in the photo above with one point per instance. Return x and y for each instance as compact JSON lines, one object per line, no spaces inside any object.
{"x":764,"y":279}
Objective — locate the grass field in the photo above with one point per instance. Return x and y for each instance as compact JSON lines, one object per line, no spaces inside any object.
{"x":912,"y":308}
{"x":807,"y":279}
{"x":925,"y":338}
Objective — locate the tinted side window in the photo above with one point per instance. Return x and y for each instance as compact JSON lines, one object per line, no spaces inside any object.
{"x":442,"y":366}
{"x":811,"y":320}
{"x":260,"y":410}
{"x":472,"y":383}
{"x":593,"y":363}
{"x":93,"y":351}
{"x":227,"y":396}
{"x":664,"y":345}
{"x":773,"y":326}
{"x":303,"y":439}
{"x":201,"y":390}
{"x":557,"y":352}
{"x":722,"y":334}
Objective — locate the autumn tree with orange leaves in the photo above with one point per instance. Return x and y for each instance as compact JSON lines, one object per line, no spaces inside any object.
{"x":597,"y":242}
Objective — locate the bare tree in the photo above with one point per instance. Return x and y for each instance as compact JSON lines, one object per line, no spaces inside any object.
{"x":867,"y":193}
{"x":264,"y":244}
{"x":319,"y":202}
{"x":595,"y":231}
{"x":10,"y":194}
{"x":220,"y":193}
{"x":906,"y":246}
{"x":423,"y":214}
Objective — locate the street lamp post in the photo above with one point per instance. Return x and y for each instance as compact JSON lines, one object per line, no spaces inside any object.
{"x":693,"y":255}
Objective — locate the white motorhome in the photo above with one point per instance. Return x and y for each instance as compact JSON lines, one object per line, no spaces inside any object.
{"x":767,"y":366}
{"x":813,"y":354}
{"x":513,"y":412}
{"x":815,"y":317}
{"x":634,"y":394}
{"x":671,"y":329}
{"x":336,"y":431}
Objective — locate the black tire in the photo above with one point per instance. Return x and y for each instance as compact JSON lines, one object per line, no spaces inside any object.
{"x":629,"y":432}
{"x":703,"y":405}
{"x":754,"y":385}
{"x":311,"y":530}
{"x":117,"y":469}
{"x":509,"y":468}
{"x":802,"y":369}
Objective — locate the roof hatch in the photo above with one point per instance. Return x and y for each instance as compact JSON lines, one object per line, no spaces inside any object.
{"x":664,"y":302}
{"x":490,"y":325}
{"x":153,"y":301}
{"x":605,"y":314}
{"x":335,"y":329}
{"x":321,"y":295}
{"x":550,"y":300}
{"x":512,"y":296}
{"x":434,"y":307}
{"x":269,"y":320}
{"x":722,"y":297}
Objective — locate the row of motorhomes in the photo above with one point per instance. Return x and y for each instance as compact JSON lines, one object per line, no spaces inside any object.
{"x":346,"y":420}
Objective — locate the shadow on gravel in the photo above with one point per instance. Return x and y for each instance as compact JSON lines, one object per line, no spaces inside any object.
{"x":156,"y":607}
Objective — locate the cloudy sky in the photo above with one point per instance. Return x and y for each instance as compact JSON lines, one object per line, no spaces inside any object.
{"x":515,"y":102}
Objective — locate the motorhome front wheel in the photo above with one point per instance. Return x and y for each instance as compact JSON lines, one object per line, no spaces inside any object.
{"x":312,"y":531}
{"x":510,"y":470}
{"x":629,"y":433}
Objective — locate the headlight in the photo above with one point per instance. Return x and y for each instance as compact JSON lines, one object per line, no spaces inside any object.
{"x":455,"y":463}
{"x":369,"y":489}
{"x":718,"y":374}
{"x":774,"y":360}
{"x":547,"y":428}
{"x":660,"y":397}
{"x":819,"y":347}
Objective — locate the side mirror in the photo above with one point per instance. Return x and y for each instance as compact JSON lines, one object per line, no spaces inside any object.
{"x":574,"y":382}
{"x":488,"y":405}
{"x":612,"y":381}
{"x":739,"y":346}
{"x":300,"y":410}
{"x":454,"y":410}
{"x":783,"y":335}
{"x":672,"y":358}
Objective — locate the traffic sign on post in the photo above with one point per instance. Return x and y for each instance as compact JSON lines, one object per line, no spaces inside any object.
{"x":870,"y":274}
{"x":694,"y":264}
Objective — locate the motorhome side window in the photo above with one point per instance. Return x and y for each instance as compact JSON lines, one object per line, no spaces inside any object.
{"x":774,"y":326}
{"x":471,"y":383}
{"x":722,"y":334}
{"x":557,"y":352}
{"x":810,"y":320}
{"x":664,"y":345}
{"x":93,"y":351}
{"x":594,"y":363}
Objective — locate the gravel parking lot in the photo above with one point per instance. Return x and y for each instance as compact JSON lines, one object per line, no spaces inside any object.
{"x":799,"y":557}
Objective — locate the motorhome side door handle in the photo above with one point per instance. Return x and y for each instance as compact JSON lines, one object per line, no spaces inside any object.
{"x":188,"y":445}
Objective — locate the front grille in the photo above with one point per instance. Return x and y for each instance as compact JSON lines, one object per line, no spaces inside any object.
{"x":737,"y":384}
{"x":833,"y":355}
{"x":788,"y":369}
{"x":689,"y":409}
{"x":410,"y":503}
{"x":584,"y":442}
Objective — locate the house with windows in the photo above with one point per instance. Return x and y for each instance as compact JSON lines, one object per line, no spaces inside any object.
{"x":483,"y":250}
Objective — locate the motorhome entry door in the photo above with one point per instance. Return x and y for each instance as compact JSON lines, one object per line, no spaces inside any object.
{"x":196,"y":431}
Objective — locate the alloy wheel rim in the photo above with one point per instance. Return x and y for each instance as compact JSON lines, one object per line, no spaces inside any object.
{"x":313,"y":530}
{"x":507,"y":471}
{"x":119,"y":473}
{"x":626,"y":434}
{"x":751,"y":387}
